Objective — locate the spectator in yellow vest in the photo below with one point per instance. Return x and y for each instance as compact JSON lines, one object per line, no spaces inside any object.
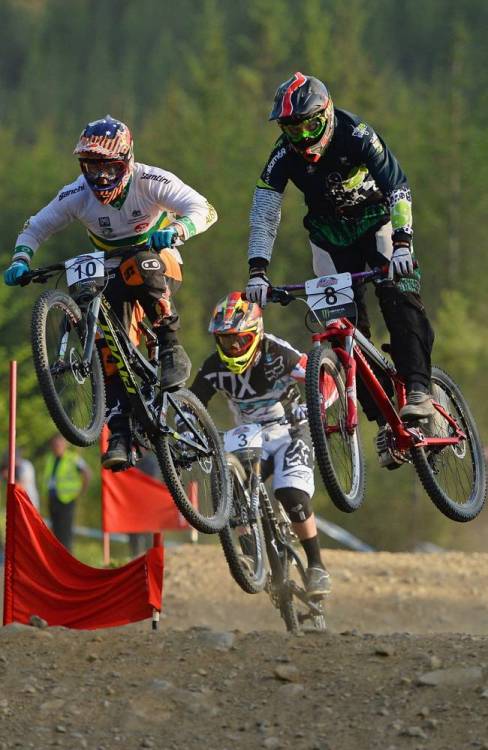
{"x":66,"y":479}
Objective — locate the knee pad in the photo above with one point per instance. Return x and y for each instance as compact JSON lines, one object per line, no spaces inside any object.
{"x":297,"y":503}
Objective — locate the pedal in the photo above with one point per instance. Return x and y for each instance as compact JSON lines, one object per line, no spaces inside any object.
{"x":389,"y":458}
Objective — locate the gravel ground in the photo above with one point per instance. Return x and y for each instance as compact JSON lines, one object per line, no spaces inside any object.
{"x":403,"y":665}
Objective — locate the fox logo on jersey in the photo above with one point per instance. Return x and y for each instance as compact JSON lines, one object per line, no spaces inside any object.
{"x":298,"y":454}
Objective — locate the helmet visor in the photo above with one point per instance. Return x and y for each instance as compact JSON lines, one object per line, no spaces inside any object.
{"x":234,"y":344}
{"x":103,"y":174}
{"x":306,"y":131}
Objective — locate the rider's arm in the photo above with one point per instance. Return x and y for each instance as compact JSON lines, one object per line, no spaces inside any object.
{"x":204,"y":385}
{"x":391,"y":180}
{"x":193,"y":213}
{"x":265,"y":213}
{"x":60,"y":212}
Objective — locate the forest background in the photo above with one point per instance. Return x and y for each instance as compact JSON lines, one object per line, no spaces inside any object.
{"x":196,"y":86}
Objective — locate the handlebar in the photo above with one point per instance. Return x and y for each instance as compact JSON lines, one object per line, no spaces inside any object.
{"x":288,"y":292}
{"x":42,"y":275}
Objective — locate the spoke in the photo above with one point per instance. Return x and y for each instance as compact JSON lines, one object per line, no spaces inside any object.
{"x":76,"y":397}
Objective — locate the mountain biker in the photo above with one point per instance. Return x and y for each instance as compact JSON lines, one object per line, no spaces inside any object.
{"x":258,"y":373}
{"x":359,"y":212}
{"x":123,"y":203}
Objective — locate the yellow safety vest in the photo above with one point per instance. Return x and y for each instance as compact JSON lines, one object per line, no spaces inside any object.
{"x":68,"y":480}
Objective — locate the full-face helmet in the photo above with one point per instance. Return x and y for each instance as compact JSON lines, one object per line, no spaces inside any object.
{"x":106,"y":156}
{"x":238,"y":329}
{"x":305,"y":113}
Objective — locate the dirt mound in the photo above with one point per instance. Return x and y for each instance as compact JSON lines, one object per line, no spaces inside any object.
{"x":222,"y":673}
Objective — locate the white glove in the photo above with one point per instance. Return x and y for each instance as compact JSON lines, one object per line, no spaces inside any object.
{"x":401,"y":263}
{"x":257,"y":287}
{"x":299,"y":412}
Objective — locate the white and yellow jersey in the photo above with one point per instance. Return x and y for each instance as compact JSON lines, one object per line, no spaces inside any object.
{"x":154,"y":199}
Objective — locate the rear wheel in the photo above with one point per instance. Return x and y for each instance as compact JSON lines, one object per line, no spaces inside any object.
{"x":454,"y":477}
{"x":242,"y":539}
{"x":339,"y":454}
{"x":74,"y":393}
{"x":192,"y":462}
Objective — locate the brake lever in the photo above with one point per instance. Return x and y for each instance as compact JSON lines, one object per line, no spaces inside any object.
{"x":281,"y":296}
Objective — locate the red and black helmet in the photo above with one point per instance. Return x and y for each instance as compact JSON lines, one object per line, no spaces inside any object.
{"x":305,"y":112}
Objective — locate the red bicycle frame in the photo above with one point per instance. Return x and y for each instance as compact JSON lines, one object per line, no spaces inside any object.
{"x":353,"y":360}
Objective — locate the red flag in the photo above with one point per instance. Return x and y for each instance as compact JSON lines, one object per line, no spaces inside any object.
{"x":135,"y":502}
{"x":42,"y":578}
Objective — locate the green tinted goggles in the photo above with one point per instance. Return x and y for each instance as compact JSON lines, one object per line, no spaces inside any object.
{"x":312,"y":127}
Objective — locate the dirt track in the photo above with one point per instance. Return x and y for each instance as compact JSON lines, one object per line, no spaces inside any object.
{"x":241,"y":682}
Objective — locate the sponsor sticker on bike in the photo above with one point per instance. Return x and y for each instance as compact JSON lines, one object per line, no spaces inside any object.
{"x":244,"y":436}
{"x":85,"y":267}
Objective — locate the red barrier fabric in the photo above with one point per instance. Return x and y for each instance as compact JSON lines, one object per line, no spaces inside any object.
{"x":42,"y":578}
{"x":134,"y":502}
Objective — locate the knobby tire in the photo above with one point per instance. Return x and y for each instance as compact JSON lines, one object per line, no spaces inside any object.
{"x":82,"y":435}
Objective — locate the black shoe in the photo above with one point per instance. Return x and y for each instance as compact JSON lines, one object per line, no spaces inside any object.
{"x":117,"y":455}
{"x":175,"y":366}
{"x":419,"y":406}
{"x":318,"y":583}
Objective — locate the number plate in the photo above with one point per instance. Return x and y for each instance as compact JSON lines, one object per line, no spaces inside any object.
{"x":332,"y":295}
{"x":85,"y":267}
{"x":244,"y":436}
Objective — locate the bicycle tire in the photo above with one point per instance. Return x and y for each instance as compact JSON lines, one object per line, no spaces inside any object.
{"x":51,"y":384}
{"x":288,"y":610}
{"x":346,"y":498}
{"x":294,"y":612}
{"x":252,"y":582}
{"x":429,"y":464}
{"x":174,"y":463}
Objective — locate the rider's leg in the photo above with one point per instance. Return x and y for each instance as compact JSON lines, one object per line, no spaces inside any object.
{"x":293,"y":485}
{"x":154,"y":279}
{"x":298,"y":505}
{"x":411,"y":333}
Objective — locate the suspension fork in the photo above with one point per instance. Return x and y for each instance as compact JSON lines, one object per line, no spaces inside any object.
{"x":91,"y":326}
{"x":346,"y":356}
{"x":271,"y":531}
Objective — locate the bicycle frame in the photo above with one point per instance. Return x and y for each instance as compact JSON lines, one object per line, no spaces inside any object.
{"x":354,"y":362}
{"x":351,"y":352}
{"x":98,"y":312}
{"x":275,"y":539}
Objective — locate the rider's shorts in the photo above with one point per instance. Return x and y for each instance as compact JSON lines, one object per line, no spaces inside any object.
{"x":290,"y":451}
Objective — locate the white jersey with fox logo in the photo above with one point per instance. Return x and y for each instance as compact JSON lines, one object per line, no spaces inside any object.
{"x":154,"y":199}
{"x":261,"y":393}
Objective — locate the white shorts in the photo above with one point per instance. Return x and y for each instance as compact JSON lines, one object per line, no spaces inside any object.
{"x":291,"y":453}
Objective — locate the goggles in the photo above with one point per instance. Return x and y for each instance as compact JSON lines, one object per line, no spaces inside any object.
{"x":234,"y":344}
{"x":311,"y":128}
{"x":103,"y":173}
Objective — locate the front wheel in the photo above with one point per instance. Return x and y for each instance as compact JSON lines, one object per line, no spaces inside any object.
{"x":297,"y":613}
{"x":73,"y":390}
{"x":242,"y":539}
{"x":192,"y":461}
{"x":454,"y":477}
{"x":339,"y":454}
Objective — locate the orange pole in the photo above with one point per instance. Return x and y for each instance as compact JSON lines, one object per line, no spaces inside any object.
{"x":106,"y":548}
